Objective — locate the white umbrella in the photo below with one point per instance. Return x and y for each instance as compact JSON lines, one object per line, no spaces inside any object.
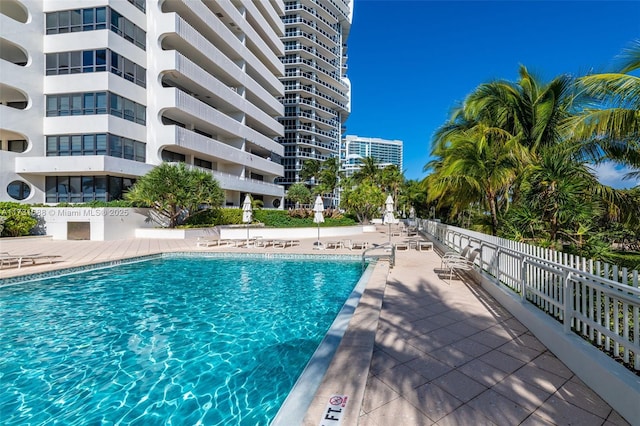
{"x":247,"y":214}
{"x":318,"y":217}
{"x":388,"y":214}
{"x":412,"y":216}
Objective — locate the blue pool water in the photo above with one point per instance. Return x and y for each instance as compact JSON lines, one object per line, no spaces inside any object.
{"x":179,"y":341}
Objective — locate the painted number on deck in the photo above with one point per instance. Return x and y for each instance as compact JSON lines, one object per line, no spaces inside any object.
{"x":332,"y":415}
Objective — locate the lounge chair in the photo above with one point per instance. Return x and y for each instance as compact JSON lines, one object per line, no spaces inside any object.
{"x":455,"y":255}
{"x":424,"y":245}
{"x":9,"y":259}
{"x":458,"y":263}
{"x":208,"y":241}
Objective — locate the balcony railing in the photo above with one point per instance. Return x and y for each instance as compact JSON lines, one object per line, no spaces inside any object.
{"x":598,"y":301}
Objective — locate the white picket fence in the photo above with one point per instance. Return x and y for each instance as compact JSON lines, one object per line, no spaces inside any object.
{"x":599,"y":301}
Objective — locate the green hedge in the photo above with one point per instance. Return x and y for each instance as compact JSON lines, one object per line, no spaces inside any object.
{"x":18,"y":219}
{"x":270,"y":218}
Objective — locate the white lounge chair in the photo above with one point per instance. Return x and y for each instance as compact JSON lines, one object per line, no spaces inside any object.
{"x":459,"y":263}
{"x":8,"y":259}
{"x":454,"y":254}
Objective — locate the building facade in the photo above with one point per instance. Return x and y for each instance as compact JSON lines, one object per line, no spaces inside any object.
{"x":317,"y":91}
{"x":94,"y":93}
{"x":353,"y":148}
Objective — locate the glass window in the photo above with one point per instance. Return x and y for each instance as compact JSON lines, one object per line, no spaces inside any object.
{"x":64,"y":105}
{"x":88,"y":146}
{"x":52,"y":23}
{"x":101,"y":144}
{"x":116,"y":105}
{"x":116,"y":20}
{"x":52,"y":106}
{"x":128,"y":149}
{"x":18,"y":190}
{"x":87,"y":61}
{"x":116,"y":66}
{"x":76,"y":145}
{"x":141,"y":114}
{"x":52,"y":64}
{"x":75,"y":189}
{"x":115,"y":146}
{"x":140,"y":151}
{"x":129,"y":70}
{"x":63,"y":21}
{"x":101,"y":103}
{"x":76,"y":104}
{"x":129,"y":110}
{"x":87,"y":188}
{"x":50,"y":189}
{"x":76,"y":20}
{"x":129,"y":31}
{"x":64,"y":145}
{"x":101,"y":60}
{"x":76,"y":62}
{"x":88,"y":19}
{"x":63,"y":63}
{"x":52,"y":145}
{"x":100,"y":183}
{"x":63,"y":188}
{"x":115,"y":188}
{"x":141,"y":38}
{"x":18,"y":146}
{"x":89,"y":103}
{"x":141,"y":76}
{"x":101,"y":18}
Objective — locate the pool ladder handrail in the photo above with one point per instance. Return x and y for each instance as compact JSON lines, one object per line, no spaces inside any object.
{"x":391,"y":256}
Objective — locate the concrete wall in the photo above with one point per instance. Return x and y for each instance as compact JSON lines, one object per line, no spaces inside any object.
{"x":105,"y":223}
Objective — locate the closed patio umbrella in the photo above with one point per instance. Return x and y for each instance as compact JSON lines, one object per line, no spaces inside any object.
{"x":247,"y":214}
{"x":388,"y":214}
{"x":318,"y":217}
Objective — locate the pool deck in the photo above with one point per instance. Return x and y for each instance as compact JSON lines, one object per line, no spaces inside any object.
{"x":419,"y":350}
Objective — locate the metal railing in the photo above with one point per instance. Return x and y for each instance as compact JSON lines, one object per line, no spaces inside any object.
{"x":600,"y":302}
{"x":387,"y":246}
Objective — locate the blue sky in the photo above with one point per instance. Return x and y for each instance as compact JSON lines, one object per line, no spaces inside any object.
{"x":410,"y":62}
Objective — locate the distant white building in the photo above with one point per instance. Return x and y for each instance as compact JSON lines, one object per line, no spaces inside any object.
{"x":94,"y":93}
{"x":354,"y":148}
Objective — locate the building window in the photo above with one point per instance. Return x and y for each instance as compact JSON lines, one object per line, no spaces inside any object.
{"x":79,"y":189}
{"x":95,"y":103}
{"x":95,"y":61}
{"x":96,"y":18}
{"x":203,"y":163}
{"x":18,"y":145}
{"x":140,"y":4}
{"x":96,"y":144}
{"x":172,"y":157}
{"x":18,"y":190}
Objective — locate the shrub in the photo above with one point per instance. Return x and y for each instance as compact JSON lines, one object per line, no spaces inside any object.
{"x":19,"y":220}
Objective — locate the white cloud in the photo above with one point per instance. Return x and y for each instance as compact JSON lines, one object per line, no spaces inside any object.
{"x":611,"y":174}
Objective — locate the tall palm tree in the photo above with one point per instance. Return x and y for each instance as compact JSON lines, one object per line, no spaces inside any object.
{"x":369,"y":170}
{"x":609,"y":124}
{"x":477,"y":165}
{"x":310,"y":172}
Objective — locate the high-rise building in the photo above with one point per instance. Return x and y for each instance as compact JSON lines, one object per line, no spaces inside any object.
{"x":354,"y":148}
{"x":316,"y":90}
{"x":94,"y":93}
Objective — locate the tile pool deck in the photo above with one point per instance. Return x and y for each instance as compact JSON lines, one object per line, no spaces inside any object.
{"x":443,"y":353}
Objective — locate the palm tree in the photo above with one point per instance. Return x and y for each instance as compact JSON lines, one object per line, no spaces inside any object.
{"x":310,"y":172}
{"x":477,"y":165}
{"x":369,"y":170}
{"x":609,"y":125}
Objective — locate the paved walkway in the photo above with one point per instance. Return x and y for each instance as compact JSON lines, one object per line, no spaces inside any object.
{"x":444,"y":353}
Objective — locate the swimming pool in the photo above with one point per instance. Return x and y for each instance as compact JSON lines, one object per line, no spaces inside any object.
{"x":166,"y":341}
